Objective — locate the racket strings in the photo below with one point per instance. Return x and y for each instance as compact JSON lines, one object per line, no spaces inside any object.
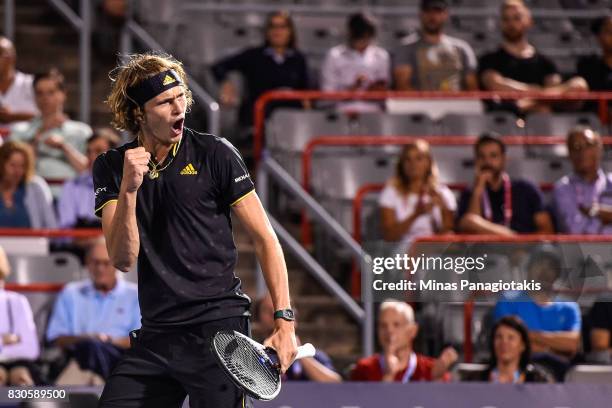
{"x":248,"y":364}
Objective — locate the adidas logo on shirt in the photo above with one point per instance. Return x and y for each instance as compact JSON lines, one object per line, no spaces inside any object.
{"x":189,"y":170}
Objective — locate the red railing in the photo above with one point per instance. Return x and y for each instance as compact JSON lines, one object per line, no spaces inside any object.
{"x":341,"y":140}
{"x":45,"y":233}
{"x":468,"y":306}
{"x":266,"y":98}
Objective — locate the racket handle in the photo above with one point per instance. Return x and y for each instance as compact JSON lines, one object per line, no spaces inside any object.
{"x":306,"y":350}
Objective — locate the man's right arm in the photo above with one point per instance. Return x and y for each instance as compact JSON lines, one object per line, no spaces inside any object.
{"x":119,"y":217}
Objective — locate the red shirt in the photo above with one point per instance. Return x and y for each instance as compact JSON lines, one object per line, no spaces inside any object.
{"x":369,"y":369}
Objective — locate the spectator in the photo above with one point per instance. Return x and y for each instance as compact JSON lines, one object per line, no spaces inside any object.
{"x":16,"y":93}
{"x":430,"y":60}
{"x":597,"y":69}
{"x":359,"y":65}
{"x":18,"y":339}
{"x":318,"y":368}
{"x":77,"y":198}
{"x":398,"y":362}
{"x":554,"y":325}
{"x":59,"y":142}
{"x":583,"y":199}
{"x":600,"y":317}
{"x":413,"y":202}
{"x":510,"y":349}
{"x":92,"y":318}
{"x":518,"y":66}
{"x":277,"y":64}
{"x":496,"y":204}
{"x":26,"y":199}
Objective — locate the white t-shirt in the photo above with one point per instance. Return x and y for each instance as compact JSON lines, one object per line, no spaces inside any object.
{"x":404,"y":206}
{"x":343,"y":65}
{"x":19,"y":97}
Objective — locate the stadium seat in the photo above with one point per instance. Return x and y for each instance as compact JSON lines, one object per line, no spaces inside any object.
{"x":42,"y":305}
{"x":317,"y":34}
{"x":59,"y":267}
{"x":558,"y":124}
{"x":396,"y":124}
{"x":291,"y":129}
{"x":590,"y":374}
{"x":468,"y":371}
{"x":451,"y":320}
{"x":503,"y":123}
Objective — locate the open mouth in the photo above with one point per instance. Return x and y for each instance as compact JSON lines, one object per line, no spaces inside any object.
{"x":178,"y":125}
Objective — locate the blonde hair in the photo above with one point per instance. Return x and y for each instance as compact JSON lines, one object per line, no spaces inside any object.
{"x":5,"y":267}
{"x":401,"y":181}
{"x":11,"y":147}
{"x":138,"y":67}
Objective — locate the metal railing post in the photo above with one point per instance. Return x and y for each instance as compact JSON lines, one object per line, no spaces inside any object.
{"x":263,"y":192}
{"x":85,"y":57}
{"x":9,"y":19}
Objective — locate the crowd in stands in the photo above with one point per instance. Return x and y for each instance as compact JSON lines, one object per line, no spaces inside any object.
{"x":533,"y":340}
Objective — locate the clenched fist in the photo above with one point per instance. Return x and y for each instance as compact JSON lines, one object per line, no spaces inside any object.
{"x":135,"y":166}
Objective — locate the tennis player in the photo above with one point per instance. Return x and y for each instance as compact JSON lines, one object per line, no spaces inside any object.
{"x":165,"y":201}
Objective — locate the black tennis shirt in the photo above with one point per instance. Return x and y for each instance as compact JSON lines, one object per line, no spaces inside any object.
{"x":187,"y":252}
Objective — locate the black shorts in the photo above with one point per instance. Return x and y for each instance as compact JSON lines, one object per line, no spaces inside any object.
{"x":161,"y":369}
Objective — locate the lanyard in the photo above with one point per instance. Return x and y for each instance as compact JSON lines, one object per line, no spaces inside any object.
{"x":495,"y":376}
{"x":486,"y":202}
{"x":9,"y":311}
{"x":412,"y":363}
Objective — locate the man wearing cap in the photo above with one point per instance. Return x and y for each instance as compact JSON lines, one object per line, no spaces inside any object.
{"x":430,"y":60}
{"x":583,"y":199}
{"x":165,"y":201}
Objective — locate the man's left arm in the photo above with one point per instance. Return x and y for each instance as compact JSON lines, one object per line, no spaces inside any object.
{"x":253,"y":217}
{"x":561,"y":342}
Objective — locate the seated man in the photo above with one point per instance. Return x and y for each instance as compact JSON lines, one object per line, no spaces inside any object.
{"x":318,"y":368}
{"x":583,"y":199}
{"x":496,"y":204}
{"x":18,"y":339}
{"x":554,"y":325}
{"x":518,"y":66}
{"x":16,"y":93}
{"x":398,"y":362}
{"x":358,"y":65}
{"x":59,"y":142}
{"x":429,"y":60}
{"x":600,"y":339}
{"x":77,"y":197}
{"x":92,"y":320}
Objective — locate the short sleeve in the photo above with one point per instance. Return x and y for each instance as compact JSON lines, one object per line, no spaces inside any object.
{"x":449,"y":198}
{"x":534,"y":197}
{"x":106,"y":189}
{"x":574,"y":320}
{"x":471,"y":63}
{"x":231,"y":174}
{"x":548,"y":66}
{"x":601,"y":315}
{"x":464,"y":202}
{"x":388,"y":197}
{"x":59,"y":322}
{"x":487,"y":62}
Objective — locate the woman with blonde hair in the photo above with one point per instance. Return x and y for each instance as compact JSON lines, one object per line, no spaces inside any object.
{"x":413,"y":202}
{"x":18,"y":339}
{"x":26,"y":200}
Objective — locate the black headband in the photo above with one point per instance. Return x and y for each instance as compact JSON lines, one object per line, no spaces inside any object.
{"x":153,"y":86}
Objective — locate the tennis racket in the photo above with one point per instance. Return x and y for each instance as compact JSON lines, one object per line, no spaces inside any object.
{"x":250,"y":365}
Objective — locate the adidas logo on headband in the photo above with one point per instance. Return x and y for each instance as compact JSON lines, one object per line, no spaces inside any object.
{"x":153,"y":86}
